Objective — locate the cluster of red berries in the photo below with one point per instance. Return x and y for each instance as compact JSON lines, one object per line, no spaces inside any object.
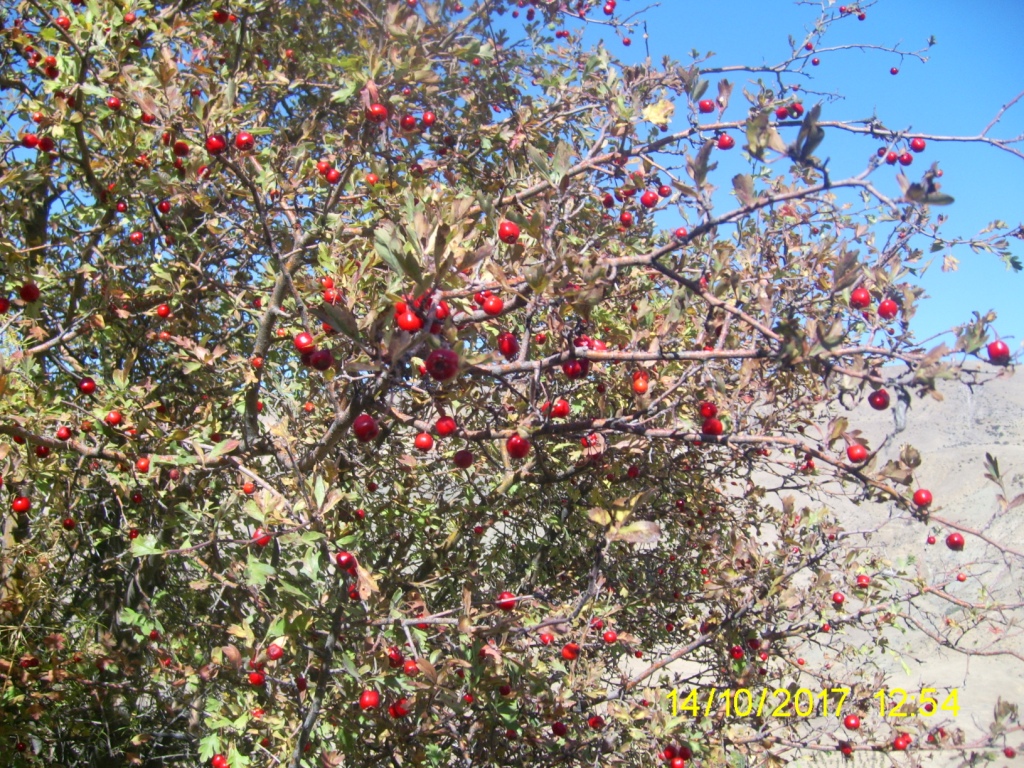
{"x":904,"y":158}
{"x":328,"y":172}
{"x":321,"y":359}
{"x":676,"y":755}
{"x":860,"y":298}
{"x":410,"y":314}
{"x":578,"y":368}
{"x":409,"y":123}
{"x":712,"y":424}
{"x":790,"y":111}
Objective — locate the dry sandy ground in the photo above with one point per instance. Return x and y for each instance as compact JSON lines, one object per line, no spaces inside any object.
{"x":953,"y":437}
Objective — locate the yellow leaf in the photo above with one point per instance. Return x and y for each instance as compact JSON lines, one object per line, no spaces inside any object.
{"x":365,"y":583}
{"x":599,"y":516}
{"x":659,"y":113}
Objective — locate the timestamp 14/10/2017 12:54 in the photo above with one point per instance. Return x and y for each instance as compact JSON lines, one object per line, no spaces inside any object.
{"x":802,"y":702}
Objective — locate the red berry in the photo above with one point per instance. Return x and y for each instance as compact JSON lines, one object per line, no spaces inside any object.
{"x":922,"y":498}
{"x":506,"y":601}
{"x":706,"y":106}
{"x":570,"y":651}
{"x":955,"y":541}
{"x":365,"y":427}
{"x":712,"y":426}
{"x":493,"y":305}
{"x":887,"y":309}
{"x":508,"y":345}
{"x":400,"y":708}
{"x":649,"y":199}
{"x":508,"y":232}
{"x":274,"y":652}
{"x":998,"y":352}
{"x":879,"y":399}
{"x":424,"y":441}
{"x":245,"y":142}
{"x":917,"y":145}
{"x":838,"y":598}
{"x":463,"y":459}
{"x":376,"y":113}
{"x":442,"y":364}
{"x":29,"y":292}
{"x":856,"y":453}
{"x":345,"y":560}
{"x":906,"y":159}
{"x":260,"y":537}
{"x":851,"y":722}
{"x":304,"y":342}
{"x":21,"y":504}
{"x":860,"y":298}
{"x":725,"y":141}
{"x":216,"y":144}
{"x":517,"y":446}
{"x":409,"y":321}
{"x":369,"y":700}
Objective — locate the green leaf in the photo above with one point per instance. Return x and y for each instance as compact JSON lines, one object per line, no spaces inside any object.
{"x":209,"y":746}
{"x":258,"y":572}
{"x":146,"y":545}
{"x":338,"y":317}
{"x":222,"y":448}
{"x":319,"y":490}
{"x":344,"y":93}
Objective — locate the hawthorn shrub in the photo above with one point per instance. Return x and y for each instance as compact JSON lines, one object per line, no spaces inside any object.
{"x":359,"y":409}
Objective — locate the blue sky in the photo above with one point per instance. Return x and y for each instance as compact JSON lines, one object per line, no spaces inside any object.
{"x":976,"y":66}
